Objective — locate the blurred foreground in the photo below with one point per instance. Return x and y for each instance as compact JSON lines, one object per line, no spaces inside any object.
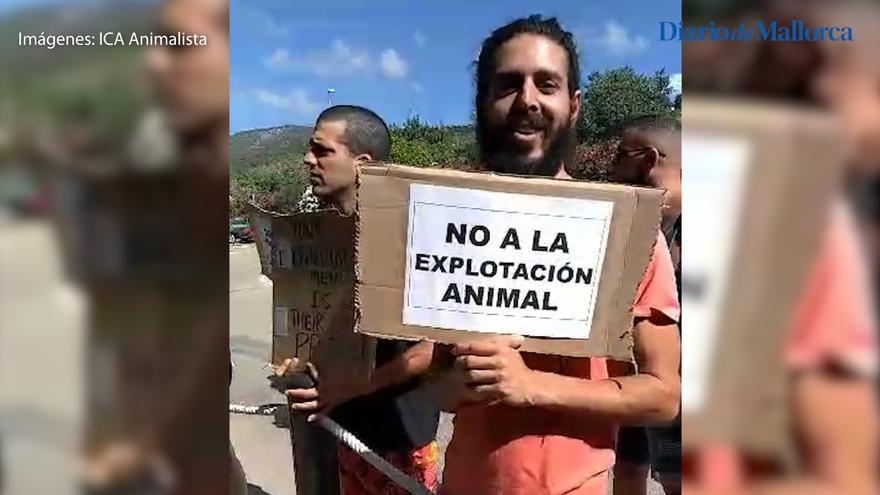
{"x":41,"y":362}
{"x":115,"y":304}
{"x":780,"y":353}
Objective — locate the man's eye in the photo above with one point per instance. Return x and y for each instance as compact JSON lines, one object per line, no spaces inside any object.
{"x":505,"y":89}
{"x":506,"y":85}
{"x":548,"y":87}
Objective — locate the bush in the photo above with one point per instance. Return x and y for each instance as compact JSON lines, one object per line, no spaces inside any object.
{"x":616,"y":96}
{"x":594,"y":162}
{"x":277,"y":187}
{"x":421,"y":145}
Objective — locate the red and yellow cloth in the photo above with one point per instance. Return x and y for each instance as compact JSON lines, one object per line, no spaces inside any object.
{"x":358,"y":477}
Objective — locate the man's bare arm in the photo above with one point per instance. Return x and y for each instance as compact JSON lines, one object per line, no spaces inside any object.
{"x":404,"y":367}
{"x":651,"y":396}
{"x":409,"y":365}
{"x":495,"y":372}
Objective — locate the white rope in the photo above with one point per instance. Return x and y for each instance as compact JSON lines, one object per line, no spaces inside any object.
{"x":267,"y":410}
{"x":396,"y":475}
{"x":351,"y":441}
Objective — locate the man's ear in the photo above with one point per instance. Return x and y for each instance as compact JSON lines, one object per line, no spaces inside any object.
{"x":575,"y":109}
{"x":652,"y":159}
{"x":362,"y":158}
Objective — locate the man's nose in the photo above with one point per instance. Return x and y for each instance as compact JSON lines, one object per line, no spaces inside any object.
{"x":309,"y":160}
{"x":527,"y":96}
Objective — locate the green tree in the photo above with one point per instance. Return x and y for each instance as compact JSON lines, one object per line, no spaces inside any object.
{"x":419,"y":144}
{"x":615,"y":96}
{"x":276,"y":187}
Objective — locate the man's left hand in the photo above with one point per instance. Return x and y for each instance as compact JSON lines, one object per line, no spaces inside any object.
{"x":496,"y":371}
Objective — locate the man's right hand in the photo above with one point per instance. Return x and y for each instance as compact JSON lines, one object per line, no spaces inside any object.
{"x":308,"y":399}
{"x":297,"y":383}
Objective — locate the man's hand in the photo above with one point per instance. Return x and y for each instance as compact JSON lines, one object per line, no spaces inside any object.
{"x":449,"y":390}
{"x":311,"y":400}
{"x":495,"y":371}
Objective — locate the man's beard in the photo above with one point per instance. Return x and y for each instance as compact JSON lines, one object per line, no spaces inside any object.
{"x":501,"y":156}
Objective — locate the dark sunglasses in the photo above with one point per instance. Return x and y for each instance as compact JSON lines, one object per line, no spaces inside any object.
{"x":621,"y":151}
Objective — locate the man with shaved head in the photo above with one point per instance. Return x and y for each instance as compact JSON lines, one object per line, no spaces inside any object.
{"x":649,"y":154}
{"x":389,"y":412}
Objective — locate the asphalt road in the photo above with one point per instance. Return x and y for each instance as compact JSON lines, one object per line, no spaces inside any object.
{"x":262,"y":444}
{"x":42,"y":330}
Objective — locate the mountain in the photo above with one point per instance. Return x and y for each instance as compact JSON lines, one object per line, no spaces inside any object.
{"x":287,"y":144}
{"x":268,"y":146}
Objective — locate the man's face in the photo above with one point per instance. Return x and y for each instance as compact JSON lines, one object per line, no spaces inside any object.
{"x":635,"y":157}
{"x":331,"y":165}
{"x":192,"y":82}
{"x":528,"y":113}
{"x":642,"y":162}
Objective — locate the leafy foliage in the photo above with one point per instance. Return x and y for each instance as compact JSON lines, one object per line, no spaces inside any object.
{"x":276,"y":187}
{"x":418,"y":144}
{"x":593,"y":162}
{"x":266,"y":168}
{"x":615,"y":96}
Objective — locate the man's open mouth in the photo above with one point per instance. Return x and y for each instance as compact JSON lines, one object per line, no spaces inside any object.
{"x":526,"y":133}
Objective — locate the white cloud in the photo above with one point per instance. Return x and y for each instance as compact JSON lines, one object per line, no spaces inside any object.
{"x":675,"y":83}
{"x":420,"y":39}
{"x":275,"y":28}
{"x":279,"y":60}
{"x":392,"y":65}
{"x":617,"y":40}
{"x":417,"y":87}
{"x":340,"y":60}
{"x":267,"y":24}
{"x":296,"y":100}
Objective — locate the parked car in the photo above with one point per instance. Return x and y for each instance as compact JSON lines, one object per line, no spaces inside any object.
{"x":240,"y":231}
{"x":22,"y":195}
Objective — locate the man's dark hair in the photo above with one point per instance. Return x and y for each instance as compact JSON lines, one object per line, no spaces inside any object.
{"x":647,"y":123}
{"x":486,"y":63}
{"x":365,"y":131}
{"x":641,"y":125}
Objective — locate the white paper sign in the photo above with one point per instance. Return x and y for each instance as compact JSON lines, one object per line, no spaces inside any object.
{"x":714,"y":170}
{"x":503,"y":263}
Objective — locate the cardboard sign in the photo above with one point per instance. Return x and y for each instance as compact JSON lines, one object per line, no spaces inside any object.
{"x":758,"y":181}
{"x":479,"y":261}
{"x":706,"y":268}
{"x":310,"y":259}
{"x":444,"y":255}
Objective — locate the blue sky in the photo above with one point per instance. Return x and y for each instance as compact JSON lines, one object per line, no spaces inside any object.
{"x":399,"y":57}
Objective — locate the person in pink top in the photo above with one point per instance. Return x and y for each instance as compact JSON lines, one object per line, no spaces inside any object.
{"x":529,"y":424}
{"x":831,"y":348}
{"x":831,"y":354}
